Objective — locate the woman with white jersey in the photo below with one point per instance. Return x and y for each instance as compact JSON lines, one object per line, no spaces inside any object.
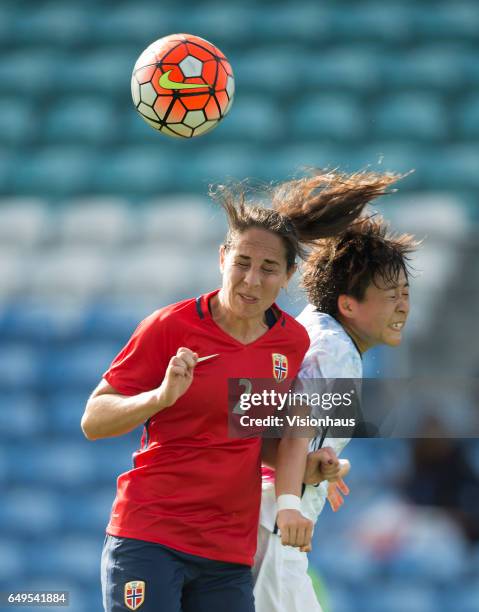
{"x":358,"y":293}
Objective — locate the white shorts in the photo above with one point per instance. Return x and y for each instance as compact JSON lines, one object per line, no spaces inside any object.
{"x":280,"y":573}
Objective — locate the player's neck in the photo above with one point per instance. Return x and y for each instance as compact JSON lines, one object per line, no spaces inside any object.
{"x":361,"y":342}
{"x":244,"y":330}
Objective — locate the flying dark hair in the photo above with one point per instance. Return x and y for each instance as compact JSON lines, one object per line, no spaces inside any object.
{"x":346,"y":265}
{"x":303,"y":210}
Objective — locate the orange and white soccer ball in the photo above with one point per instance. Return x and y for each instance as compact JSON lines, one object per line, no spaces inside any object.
{"x":182,"y":85}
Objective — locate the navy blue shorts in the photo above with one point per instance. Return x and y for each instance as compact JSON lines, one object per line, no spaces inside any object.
{"x":138,"y":575}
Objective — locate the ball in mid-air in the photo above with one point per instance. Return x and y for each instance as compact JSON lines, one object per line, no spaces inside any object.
{"x":182,"y":85}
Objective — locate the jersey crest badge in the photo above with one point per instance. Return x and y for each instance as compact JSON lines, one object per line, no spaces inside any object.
{"x":134,"y":594}
{"x":280,"y":366}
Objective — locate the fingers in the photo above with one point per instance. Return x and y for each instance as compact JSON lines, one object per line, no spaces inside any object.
{"x":295,"y":529}
{"x":183,"y":363}
{"x":342,"y":486}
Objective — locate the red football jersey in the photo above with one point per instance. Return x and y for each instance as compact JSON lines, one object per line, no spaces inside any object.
{"x":192,"y":487}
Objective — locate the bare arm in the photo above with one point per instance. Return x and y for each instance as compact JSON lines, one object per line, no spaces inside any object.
{"x":269,"y":450}
{"x":108,"y":413}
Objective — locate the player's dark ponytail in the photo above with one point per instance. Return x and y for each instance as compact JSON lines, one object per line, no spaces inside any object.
{"x":303,"y":210}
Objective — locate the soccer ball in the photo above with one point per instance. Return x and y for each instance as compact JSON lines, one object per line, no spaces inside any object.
{"x":182,"y":85}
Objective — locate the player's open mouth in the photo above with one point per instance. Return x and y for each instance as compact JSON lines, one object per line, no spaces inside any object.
{"x":248,"y":298}
{"x":397,"y":326}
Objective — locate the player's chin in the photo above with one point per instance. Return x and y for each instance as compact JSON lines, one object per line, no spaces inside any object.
{"x":392,"y":338}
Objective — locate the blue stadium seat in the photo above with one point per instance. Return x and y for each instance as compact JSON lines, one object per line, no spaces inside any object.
{"x":30,"y":512}
{"x":340,"y":68}
{"x":20,"y":417}
{"x":335,"y":117}
{"x":467,"y":118}
{"x":115,"y":320}
{"x":75,"y":273}
{"x":11,"y":561}
{"x":371,"y":21}
{"x":254,"y":119}
{"x":102,"y":70}
{"x":98,"y":222}
{"x":92,"y":514}
{"x":411,"y":117}
{"x":19,"y":366}
{"x":42,"y":321}
{"x":463,"y":597}
{"x":77,"y":367}
{"x":24,"y":223}
{"x":61,"y":464}
{"x":440,"y":67}
{"x":17,"y":121}
{"x":13,"y":274}
{"x":81,"y":120}
{"x":454,"y":168}
{"x":137,"y":170}
{"x":55,"y":171}
{"x":32,"y":71}
{"x":458,"y":21}
{"x":277,"y":70}
{"x":399,"y":596}
{"x":51,"y":24}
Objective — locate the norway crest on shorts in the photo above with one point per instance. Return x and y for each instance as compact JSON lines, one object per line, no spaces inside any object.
{"x":134,"y":594}
{"x":280,"y":366}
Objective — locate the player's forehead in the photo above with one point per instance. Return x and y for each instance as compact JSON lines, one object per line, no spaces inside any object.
{"x":390,"y":278}
{"x":256,"y":243}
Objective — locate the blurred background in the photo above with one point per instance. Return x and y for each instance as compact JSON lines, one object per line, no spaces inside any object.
{"x":103,"y":220}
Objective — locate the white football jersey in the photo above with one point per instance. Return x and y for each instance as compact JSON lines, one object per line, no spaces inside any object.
{"x":332,"y":354}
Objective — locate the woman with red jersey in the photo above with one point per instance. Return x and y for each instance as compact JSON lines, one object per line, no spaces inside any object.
{"x":182,"y":532}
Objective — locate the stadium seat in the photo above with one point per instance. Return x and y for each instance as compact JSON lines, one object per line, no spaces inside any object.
{"x":411,"y":117}
{"x":254,"y":119}
{"x":399,"y":596}
{"x":24,"y":222}
{"x":17,"y":121}
{"x":334,"y":117}
{"x":30,"y":512}
{"x":81,"y":119}
{"x":136,"y":170}
{"x":467,"y":118}
{"x":97,"y":222}
{"x":115,"y":320}
{"x":370,"y":21}
{"x":52,"y":24}
{"x":41,"y":321}
{"x":65,"y":465}
{"x":434,"y":67}
{"x":11,"y":561}
{"x":55,"y":171}
{"x":192,"y":220}
{"x":13,"y":278}
{"x":265,"y":71}
{"x":101,"y":70}
{"x":78,"y":367}
{"x":19,"y":366}
{"x":76,"y":273}
{"x":31,"y":71}
{"x":20,"y":416}
{"x":154,"y":272}
{"x":340,"y":69}
{"x":459,"y":21}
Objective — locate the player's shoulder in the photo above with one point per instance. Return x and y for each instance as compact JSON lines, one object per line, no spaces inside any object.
{"x":170,"y":316}
{"x":332,"y":353}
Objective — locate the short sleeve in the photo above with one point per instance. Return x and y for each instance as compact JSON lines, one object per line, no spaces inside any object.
{"x":141,"y":364}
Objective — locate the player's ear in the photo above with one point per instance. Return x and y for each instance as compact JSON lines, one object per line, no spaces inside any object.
{"x":222,"y":253}
{"x":346,"y":306}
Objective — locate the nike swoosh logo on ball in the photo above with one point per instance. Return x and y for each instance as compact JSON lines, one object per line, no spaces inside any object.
{"x":167,"y":83}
